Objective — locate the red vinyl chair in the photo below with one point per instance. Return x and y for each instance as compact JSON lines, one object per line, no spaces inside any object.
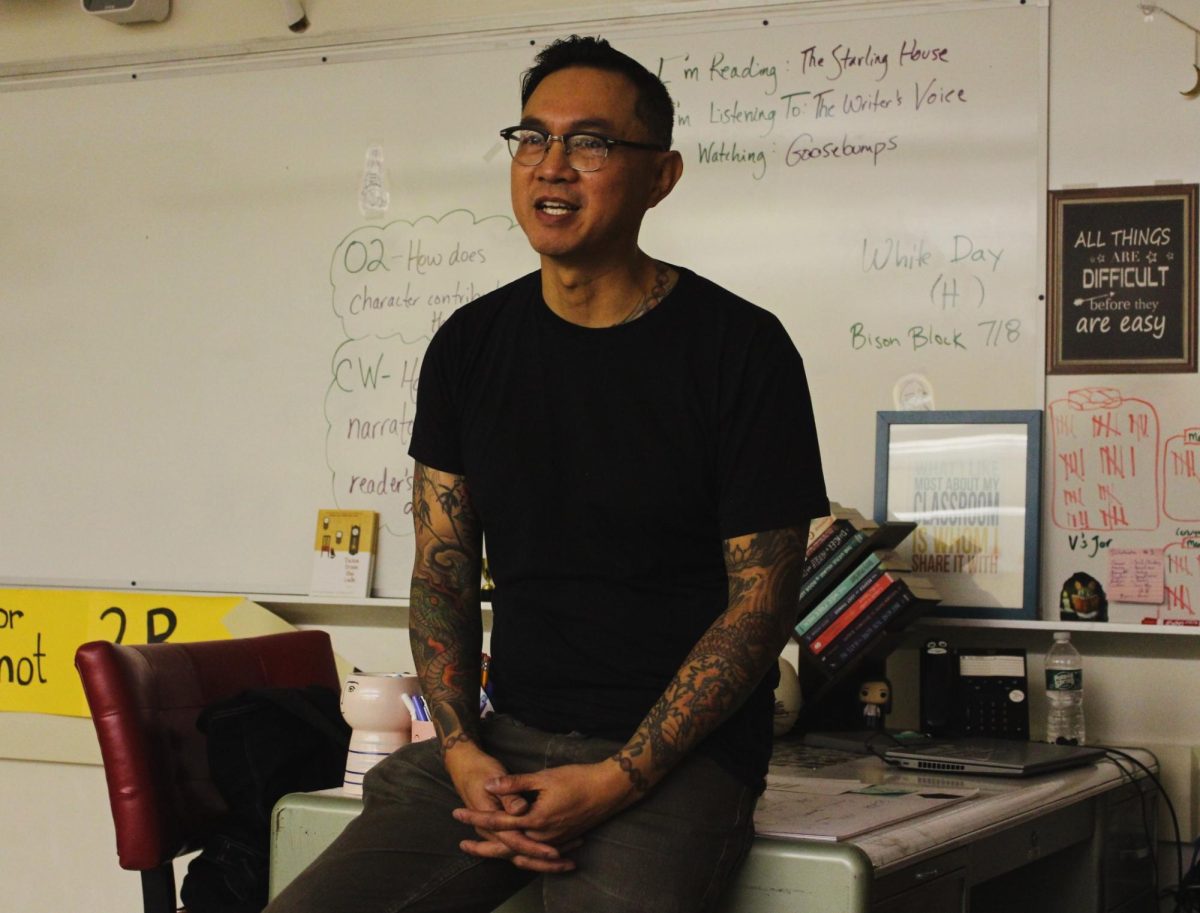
{"x":144,"y":701}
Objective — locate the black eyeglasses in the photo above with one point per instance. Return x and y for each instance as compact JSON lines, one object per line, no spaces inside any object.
{"x":585,"y":151}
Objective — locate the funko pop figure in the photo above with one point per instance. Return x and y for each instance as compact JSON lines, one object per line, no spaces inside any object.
{"x":876,"y":699}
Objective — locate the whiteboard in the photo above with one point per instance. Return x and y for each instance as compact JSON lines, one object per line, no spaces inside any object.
{"x":1122,"y":489}
{"x":207,"y":338}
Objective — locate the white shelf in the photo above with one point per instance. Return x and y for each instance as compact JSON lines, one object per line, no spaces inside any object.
{"x":269,"y":600}
{"x":351,"y":611}
{"x":394,"y":612}
{"x":1088,"y":626}
{"x":299,"y":608}
{"x":335,"y":611}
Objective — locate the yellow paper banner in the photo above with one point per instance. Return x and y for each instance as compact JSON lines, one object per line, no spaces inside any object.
{"x":41,"y":629}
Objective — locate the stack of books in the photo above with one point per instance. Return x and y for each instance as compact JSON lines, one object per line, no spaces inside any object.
{"x":857,"y":590}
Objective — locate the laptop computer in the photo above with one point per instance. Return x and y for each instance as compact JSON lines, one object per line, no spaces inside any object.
{"x":992,"y":757}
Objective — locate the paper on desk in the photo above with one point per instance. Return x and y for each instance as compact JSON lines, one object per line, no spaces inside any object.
{"x":822,"y":786}
{"x":790,"y":809}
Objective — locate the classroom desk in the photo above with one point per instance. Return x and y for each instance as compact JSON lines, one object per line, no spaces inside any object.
{"x":1071,"y":840}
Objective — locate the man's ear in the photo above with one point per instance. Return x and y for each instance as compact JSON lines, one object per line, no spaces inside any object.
{"x":667,"y":175}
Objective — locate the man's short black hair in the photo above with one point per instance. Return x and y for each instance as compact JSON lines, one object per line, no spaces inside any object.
{"x":653,"y":107}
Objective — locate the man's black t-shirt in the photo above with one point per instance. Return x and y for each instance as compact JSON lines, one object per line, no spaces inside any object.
{"x":607,"y":467}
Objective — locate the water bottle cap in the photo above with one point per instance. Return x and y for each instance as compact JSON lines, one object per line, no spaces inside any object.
{"x":1062,"y":636}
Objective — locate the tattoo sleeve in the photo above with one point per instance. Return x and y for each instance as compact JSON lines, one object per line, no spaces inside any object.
{"x":723,"y":668}
{"x":445,"y":628}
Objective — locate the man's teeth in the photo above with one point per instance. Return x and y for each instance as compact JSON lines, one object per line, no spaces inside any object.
{"x":555,"y":209}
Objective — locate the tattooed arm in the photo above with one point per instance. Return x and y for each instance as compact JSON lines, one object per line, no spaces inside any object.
{"x":720,"y":672}
{"x":445,"y":626}
{"x":446,"y":634}
{"x":765,"y":571}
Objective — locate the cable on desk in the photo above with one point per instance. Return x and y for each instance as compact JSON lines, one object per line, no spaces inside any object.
{"x":869,"y":746}
{"x":1186,"y":895}
{"x":1116,"y":756}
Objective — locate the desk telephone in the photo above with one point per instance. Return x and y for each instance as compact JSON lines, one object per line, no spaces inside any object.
{"x":973,"y":692}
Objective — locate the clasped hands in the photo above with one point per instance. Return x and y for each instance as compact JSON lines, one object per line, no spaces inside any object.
{"x":533,"y":820}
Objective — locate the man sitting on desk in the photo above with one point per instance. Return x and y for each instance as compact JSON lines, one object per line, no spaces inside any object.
{"x":637,"y":445}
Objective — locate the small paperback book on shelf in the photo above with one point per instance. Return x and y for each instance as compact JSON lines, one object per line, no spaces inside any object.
{"x":344,"y":556}
{"x":856,"y":590}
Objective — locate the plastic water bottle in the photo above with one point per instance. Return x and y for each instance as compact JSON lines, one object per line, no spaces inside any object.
{"x":1064,"y":692}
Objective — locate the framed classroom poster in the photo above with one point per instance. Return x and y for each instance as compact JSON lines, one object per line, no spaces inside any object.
{"x":970,"y":481}
{"x":1122,"y":280}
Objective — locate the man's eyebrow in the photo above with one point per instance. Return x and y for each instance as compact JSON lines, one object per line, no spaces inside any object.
{"x":590,"y":123}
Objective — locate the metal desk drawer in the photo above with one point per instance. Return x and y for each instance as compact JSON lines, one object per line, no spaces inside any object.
{"x":778,"y":877}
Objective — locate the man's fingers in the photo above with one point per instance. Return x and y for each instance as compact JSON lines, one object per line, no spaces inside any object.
{"x":508,"y":844}
{"x":504,"y":844}
{"x":543,"y":865}
{"x":490,"y":849}
{"x":487,"y":848}
{"x":510,"y":784}
{"x":522,"y":844}
{"x":514,"y":803}
{"x":488,"y":821}
{"x":546,"y":838}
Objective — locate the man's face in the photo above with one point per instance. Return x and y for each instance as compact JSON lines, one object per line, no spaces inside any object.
{"x":586,"y":218}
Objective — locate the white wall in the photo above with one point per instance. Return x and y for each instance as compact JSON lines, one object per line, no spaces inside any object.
{"x":58,"y":851}
{"x":1115,"y":118}
{"x":47,"y":36}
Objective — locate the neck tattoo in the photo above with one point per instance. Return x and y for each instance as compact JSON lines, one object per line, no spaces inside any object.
{"x":662,"y":284}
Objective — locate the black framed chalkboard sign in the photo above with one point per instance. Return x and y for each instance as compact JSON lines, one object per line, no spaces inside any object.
{"x":1122,"y":280}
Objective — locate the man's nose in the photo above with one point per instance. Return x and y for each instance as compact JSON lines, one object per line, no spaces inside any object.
{"x":556,"y":161}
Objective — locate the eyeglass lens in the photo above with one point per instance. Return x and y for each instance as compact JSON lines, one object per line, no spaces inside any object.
{"x":584,"y":152}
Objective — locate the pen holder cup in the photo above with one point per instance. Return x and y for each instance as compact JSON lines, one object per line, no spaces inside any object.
{"x":372,"y":705}
{"x":422,"y":730}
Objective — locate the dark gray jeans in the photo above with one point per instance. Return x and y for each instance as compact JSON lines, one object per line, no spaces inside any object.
{"x":673,"y":852}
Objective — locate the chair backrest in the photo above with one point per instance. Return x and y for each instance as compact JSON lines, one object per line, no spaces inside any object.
{"x":145,"y":700}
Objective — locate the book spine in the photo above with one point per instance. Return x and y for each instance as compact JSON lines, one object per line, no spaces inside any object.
{"x":818,"y":530}
{"x":824,"y":573}
{"x":886,"y":535}
{"x":816,"y":541}
{"x":853,"y":611}
{"x":851,"y":586}
{"x":859,"y":637}
{"x":835,"y":537}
